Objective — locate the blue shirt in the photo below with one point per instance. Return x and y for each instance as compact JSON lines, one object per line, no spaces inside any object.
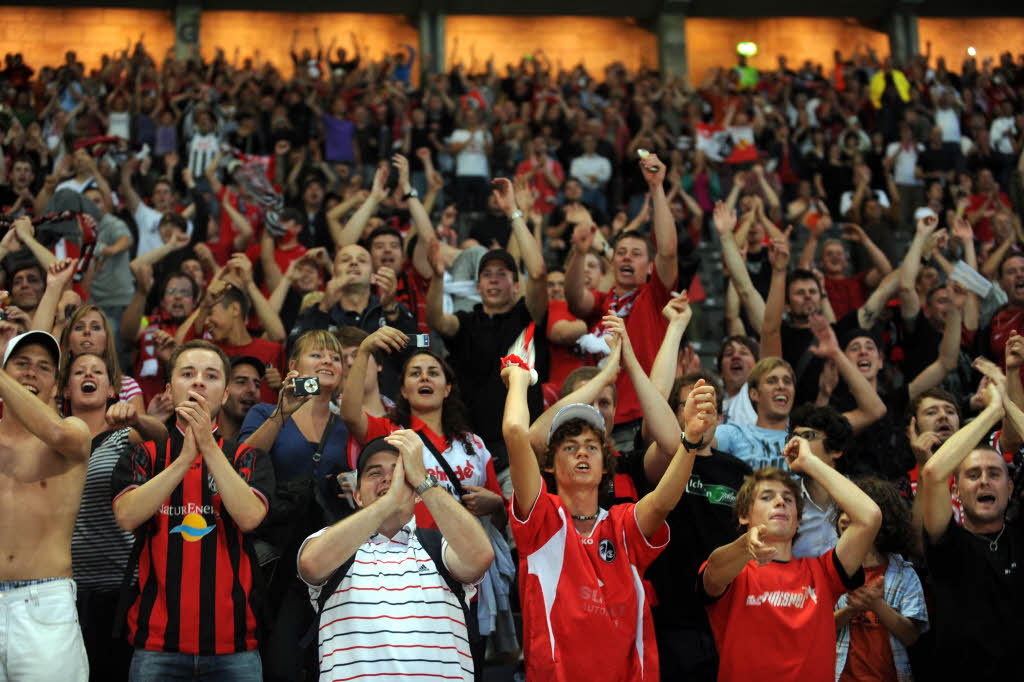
{"x":756,"y":446}
{"x":292,"y":453}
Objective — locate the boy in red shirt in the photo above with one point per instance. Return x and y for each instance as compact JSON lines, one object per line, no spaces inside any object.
{"x":585,"y":615}
{"x":771,"y":614}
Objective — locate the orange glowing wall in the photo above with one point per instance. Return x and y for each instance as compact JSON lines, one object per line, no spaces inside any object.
{"x":950,"y":38}
{"x":712,"y":42}
{"x":595,"y":41}
{"x":42,"y":34}
{"x":271,"y":33}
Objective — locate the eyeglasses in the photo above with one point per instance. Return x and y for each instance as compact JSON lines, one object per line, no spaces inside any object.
{"x":809,"y":435}
{"x":179,"y":292}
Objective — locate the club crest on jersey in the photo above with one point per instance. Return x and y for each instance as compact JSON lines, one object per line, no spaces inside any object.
{"x":606,"y":550}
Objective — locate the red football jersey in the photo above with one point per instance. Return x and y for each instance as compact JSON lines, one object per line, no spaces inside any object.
{"x":777,"y":621}
{"x":585,"y":614}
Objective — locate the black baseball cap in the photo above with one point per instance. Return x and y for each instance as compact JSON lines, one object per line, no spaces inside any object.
{"x":499,"y":255}
{"x":376,"y":445}
{"x":249,"y":360}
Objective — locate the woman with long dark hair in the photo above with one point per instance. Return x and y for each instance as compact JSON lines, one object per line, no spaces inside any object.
{"x":429,"y":404}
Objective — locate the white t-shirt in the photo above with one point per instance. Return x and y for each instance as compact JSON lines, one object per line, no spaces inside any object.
{"x":949,"y":121}
{"x":147,"y":219}
{"x":471,"y":160}
{"x":906,"y":162}
{"x":846,"y":201}
{"x":738,"y":409}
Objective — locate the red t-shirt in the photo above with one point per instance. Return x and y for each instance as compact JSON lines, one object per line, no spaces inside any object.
{"x":777,"y":621}
{"x":983,"y":225}
{"x":870,"y":654}
{"x":269,"y":352}
{"x":545,"y":195}
{"x":846,"y":293}
{"x":585,"y":613}
{"x":149,"y":371}
{"x":475,"y":468}
{"x":225,"y":244}
{"x":563,"y":360}
{"x":646,"y":328}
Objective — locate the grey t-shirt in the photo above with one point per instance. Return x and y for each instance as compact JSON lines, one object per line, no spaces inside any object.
{"x":113,"y":284}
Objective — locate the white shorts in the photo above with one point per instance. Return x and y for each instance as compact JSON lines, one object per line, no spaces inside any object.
{"x":40,"y":639}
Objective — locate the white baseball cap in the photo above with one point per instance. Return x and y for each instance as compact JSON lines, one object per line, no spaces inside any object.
{"x":588,"y":413}
{"x":44,"y":339}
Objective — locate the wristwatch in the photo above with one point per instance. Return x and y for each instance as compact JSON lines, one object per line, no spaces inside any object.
{"x":688,"y":445}
{"x":427,"y":483}
{"x":516,"y":214}
{"x":410,"y":194}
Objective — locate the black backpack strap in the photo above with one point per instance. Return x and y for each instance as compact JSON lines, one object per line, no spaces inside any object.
{"x":326,"y":591}
{"x":452,"y":478}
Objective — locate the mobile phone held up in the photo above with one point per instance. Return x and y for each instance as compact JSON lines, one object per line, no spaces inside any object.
{"x":307,"y":386}
{"x":422,"y":340}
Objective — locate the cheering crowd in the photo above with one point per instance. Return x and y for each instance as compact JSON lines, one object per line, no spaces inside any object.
{"x":311,"y":372}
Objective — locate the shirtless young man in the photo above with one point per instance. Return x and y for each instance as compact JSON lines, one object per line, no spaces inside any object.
{"x":42,"y":473}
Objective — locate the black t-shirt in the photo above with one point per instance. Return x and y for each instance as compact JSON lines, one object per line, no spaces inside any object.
{"x":795,"y":344}
{"x":977,"y":617}
{"x":492,"y":228}
{"x":921,"y":347}
{"x":476,"y":353}
{"x":883,"y":449}
{"x":700,"y":523}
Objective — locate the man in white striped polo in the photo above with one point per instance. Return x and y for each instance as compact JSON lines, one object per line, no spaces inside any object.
{"x":392,"y":598}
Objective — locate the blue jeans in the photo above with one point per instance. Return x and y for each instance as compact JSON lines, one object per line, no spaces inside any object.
{"x":159,"y":666}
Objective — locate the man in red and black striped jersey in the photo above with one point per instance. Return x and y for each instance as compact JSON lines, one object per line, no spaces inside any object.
{"x":191,"y":501}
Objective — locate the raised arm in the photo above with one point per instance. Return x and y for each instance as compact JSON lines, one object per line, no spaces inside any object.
{"x":870,"y":407}
{"x":68,"y":437}
{"x":661,"y":422}
{"x":131,"y":318}
{"x":446,"y":324}
{"x":933,"y":488}
{"x":581,"y":300}
{"x":273,"y":328}
{"x":867,"y":314}
{"x":586,"y":393}
{"x":515,"y":428}
{"x":910,"y":302}
{"x":725,"y":220}
{"x":353,"y":229}
{"x":654,"y":507}
{"x":386,"y":339}
{"x":663,"y":370}
{"x":865,"y":516}
{"x":58,"y":276}
{"x":771,"y":327}
{"x":949,"y":349}
{"x":26,"y":231}
{"x":880,"y":263}
{"x":529,"y":248}
{"x":666,"y":256}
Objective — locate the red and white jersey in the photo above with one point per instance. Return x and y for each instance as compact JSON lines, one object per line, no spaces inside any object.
{"x":777,"y":621}
{"x":472,"y":468}
{"x":585,"y":613}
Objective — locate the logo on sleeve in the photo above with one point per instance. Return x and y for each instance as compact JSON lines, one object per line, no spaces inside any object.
{"x":606,"y":550}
